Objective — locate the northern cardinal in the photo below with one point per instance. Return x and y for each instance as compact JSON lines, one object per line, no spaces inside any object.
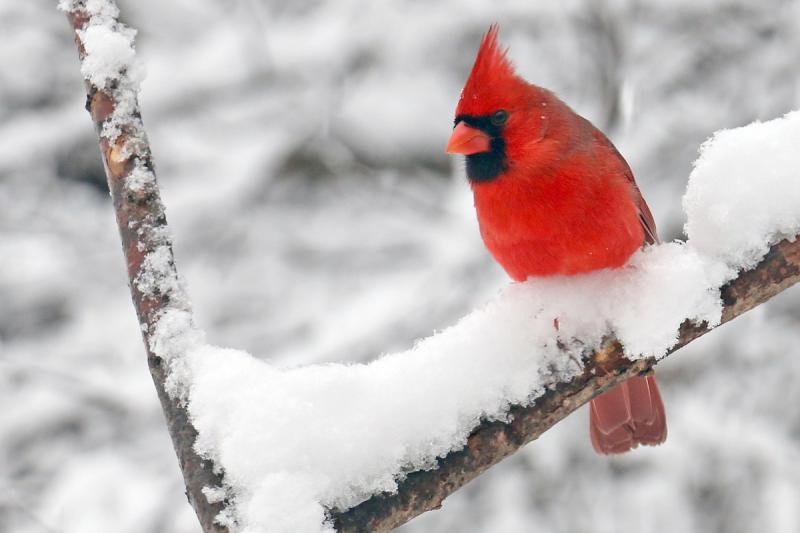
{"x":554,"y":197}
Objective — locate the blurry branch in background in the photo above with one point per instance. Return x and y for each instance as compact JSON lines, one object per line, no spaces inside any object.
{"x":605,"y":47}
{"x":143,"y":229}
{"x":493,"y":441}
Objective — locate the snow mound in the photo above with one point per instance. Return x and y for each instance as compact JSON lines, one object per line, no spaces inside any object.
{"x":108,"y":52}
{"x":744,"y":192}
{"x":293,"y":442}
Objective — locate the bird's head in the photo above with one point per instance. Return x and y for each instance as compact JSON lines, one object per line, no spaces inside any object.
{"x":498,"y":114}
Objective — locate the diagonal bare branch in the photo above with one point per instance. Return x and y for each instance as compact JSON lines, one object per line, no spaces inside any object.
{"x":143,"y":229}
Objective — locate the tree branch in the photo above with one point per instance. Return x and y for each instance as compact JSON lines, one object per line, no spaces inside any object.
{"x":493,"y":441}
{"x":143,"y":230}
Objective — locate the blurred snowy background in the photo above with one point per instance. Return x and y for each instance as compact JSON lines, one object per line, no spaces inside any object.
{"x":316,"y":217}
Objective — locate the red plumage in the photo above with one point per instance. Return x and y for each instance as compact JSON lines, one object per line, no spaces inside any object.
{"x":554,"y":197}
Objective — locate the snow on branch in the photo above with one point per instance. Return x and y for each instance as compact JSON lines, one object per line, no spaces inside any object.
{"x":493,"y":441}
{"x":367,"y":447}
{"x":112,"y":76}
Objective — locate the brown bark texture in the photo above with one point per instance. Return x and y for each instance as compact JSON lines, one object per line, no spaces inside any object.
{"x":143,"y":230}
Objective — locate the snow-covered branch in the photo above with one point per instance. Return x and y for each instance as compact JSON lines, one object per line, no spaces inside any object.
{"x":367,"y":447}
{"x":112,"y":77}
{"x":493,"y":441}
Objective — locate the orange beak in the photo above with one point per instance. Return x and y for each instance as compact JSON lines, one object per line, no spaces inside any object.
{"x":467,"y":140}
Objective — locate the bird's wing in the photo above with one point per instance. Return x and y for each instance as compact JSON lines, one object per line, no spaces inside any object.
{"x":645,"y":216}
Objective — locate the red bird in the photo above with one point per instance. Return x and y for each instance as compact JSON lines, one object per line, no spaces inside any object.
{"x":554,"y":197}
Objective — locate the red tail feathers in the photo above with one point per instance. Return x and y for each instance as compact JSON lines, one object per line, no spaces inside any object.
{"x":628,"y":415}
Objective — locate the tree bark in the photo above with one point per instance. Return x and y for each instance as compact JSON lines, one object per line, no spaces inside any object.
{"x":143,"y":230}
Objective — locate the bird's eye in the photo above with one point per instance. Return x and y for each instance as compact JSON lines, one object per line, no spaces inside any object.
{"x":499,"y":118}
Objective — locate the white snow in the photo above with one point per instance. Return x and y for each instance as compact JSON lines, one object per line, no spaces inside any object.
{"x":99,"y":8}
{"x":293,"y":442}
{"x":140,"y":178}
{"x":108,"y":45}
{"x":744,"y":191}
{"x":108,"y":52}
{"x":155,"y":275}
